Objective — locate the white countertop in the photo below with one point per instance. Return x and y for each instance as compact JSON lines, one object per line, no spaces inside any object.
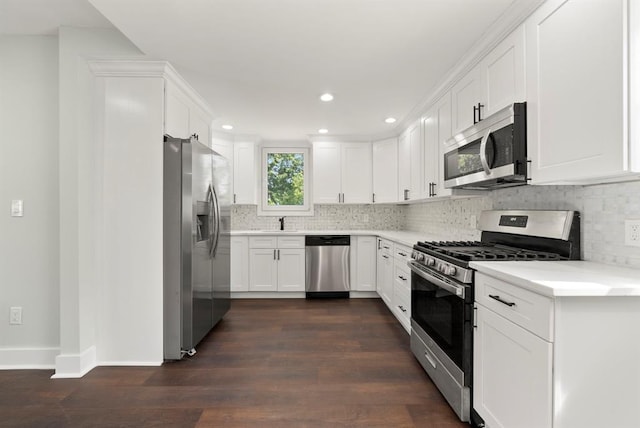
{"x":565,"y":278}
{"x":407,"y":238}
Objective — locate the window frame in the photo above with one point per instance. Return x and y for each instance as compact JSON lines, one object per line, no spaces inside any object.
{"x":306,"y":209}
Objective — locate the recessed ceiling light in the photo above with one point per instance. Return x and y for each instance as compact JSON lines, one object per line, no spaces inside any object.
{"x":326,"y":97}
{"x":390,"y":120}
{"x":322,"y":131}
{"x":227,"y":127}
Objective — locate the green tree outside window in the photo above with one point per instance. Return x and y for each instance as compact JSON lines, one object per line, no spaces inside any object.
{"x":285,"y":179}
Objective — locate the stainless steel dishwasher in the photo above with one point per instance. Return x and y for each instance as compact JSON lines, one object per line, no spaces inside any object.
{"x":327,"y":266}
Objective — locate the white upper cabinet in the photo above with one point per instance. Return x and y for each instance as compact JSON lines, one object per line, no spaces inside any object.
{"x":327,"y":183}
{"x":503,"y":74}
{"x":410,"y":169}
{"x":496,"y":82}
{"x":436,"y":131}
{"x":342,"y":173}
{"x":357,"y":173}
{"x":184,"y":117}
{"x":385,"y":171}
{"x":580,"y":103}
{"x":244,"y":173}
{"x":466,"y":97}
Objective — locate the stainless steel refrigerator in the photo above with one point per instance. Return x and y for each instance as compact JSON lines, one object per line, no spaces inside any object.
{"x":196,"y":243}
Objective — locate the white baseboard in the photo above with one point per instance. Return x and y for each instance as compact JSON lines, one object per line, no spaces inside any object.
{"x":364,"y":295}
{"x":131,"y":363}
{"x":267,"y":295}
{"x":28,"y":358}
{"x":75,"y":365}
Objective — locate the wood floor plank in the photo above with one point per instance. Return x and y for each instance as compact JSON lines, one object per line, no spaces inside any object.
{"x":269,"y":363}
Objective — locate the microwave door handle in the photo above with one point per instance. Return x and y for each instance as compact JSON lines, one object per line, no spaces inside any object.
{"x":453,"y":289}
{"x":483,"y":153}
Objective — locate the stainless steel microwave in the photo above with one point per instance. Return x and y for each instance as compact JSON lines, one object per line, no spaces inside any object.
{"x":490,"y":154}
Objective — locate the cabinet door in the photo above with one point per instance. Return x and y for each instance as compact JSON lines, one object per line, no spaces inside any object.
{"x":512,"y":374}
{"x":576,"y":91}
{"x":466,"y":94}
{"x":244,"y":173}
{"x":385,"y":171}
{"x":443,"y":115}
{"x":291,"y":269}
{"x":199,"y":124}
{"x":503,"y":73}
{"x":326,"y":173}
{"x":415,"y":143}
{"x":404,"y":167}
{"x":263,"y":269}
{"x":176,"y":119}
{"x":365,"y":263}
{"x":384,"y":284}
{"x":356,"y":165}
{"x":431,"y":152}
{"x":239,"y":263}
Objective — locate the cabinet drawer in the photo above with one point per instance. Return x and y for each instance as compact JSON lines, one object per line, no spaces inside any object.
{"x":402,"y":303}
{"x":402,"y":252}
{"x":290,"y":241}
{"x":385,"y":245}
{"x":402,"y":275}
{"x":263,"y":241}
{"x":529,"y":310}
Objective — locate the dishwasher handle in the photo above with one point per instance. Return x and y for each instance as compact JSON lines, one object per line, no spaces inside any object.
{"x":326,"y":240}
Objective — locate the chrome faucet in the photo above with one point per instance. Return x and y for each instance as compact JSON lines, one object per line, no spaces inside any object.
{"x":281,"y":220}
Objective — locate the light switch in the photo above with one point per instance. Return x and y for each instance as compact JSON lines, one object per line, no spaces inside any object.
{"x":16,"y":208}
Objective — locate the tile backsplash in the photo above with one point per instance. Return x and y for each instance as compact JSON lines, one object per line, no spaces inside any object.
{"x":603,"y":209}
{"x":326,"y":217}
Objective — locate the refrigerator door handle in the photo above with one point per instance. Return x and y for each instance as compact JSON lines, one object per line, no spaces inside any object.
{"x":211,"y":238}
{"x":216,"y":231}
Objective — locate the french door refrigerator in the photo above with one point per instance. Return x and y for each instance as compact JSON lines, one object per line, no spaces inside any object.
{"x":196,"y":243}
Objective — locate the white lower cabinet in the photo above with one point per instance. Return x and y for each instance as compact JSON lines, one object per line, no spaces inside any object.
{"x":384,"y":268}
{"x":239,"y":263}
{"x":363,"y":263}
{"x":512,"y":373}
{"x":561,"y":362}
{"x":394,"y":280}
{"x":276,"y":263}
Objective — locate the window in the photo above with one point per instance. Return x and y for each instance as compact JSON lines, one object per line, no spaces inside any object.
{"x":285,"y":182}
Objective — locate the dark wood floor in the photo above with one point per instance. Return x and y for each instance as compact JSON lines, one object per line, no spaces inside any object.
{"x":269,"y":363}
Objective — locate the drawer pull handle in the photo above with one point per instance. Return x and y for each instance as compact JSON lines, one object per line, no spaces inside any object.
{"x":403,"y":254}
{"x":430,"y":359}
{"x":402,"y":308}
{"x":504,"y":302}
{"x":386,"y":257}
{"x":402,"y":277}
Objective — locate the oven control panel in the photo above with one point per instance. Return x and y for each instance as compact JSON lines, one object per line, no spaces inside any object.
{"x":461,"y":274}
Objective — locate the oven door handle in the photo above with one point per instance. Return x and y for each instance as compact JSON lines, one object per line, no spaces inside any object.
{"x":453,"y":289}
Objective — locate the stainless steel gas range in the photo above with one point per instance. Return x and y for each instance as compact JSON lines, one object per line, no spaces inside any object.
{"x":442,"y":291}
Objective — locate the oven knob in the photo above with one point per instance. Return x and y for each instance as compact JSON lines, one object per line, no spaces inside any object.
{"x":451,"y":270}
{"x":442,"y":268}
{"x":421,"y":257}
{"x":414,"y":255}
{"x":431,"y":262}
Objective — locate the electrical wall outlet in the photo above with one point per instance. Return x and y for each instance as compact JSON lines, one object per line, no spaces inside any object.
{"x":15,"y":315}
{"x":632,"y":232}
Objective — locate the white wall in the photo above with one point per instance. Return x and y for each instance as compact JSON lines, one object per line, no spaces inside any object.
{"x":80,"y":193}
{"x":29,"y":171}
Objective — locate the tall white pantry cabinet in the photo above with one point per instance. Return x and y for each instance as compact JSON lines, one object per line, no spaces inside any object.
{"x":136,"y":103}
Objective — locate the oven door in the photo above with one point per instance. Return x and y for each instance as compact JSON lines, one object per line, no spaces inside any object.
{"x":443,"y":309}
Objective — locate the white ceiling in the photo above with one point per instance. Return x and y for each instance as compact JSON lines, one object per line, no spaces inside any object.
{"x":262,"y":64}
{"x":31,"y":17}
